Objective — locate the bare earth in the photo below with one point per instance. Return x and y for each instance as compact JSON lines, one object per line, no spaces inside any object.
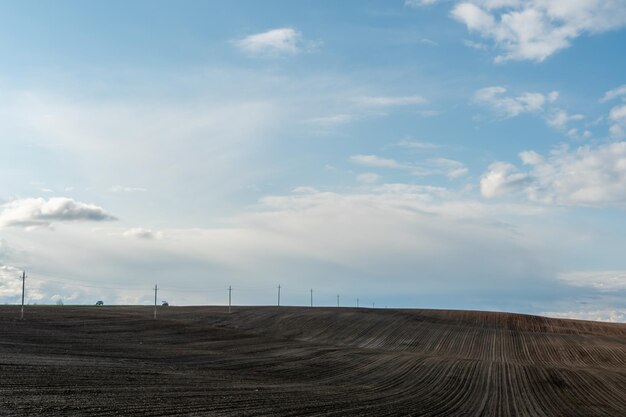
{"x":289,"y":361}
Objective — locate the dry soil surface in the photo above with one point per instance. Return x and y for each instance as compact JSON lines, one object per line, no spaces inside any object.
{"x":268,"y":361}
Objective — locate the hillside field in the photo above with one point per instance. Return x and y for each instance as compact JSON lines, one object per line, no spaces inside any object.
{"x":296,"y":361}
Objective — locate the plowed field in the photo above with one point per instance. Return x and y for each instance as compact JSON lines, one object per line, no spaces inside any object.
{"x":266,"y":361}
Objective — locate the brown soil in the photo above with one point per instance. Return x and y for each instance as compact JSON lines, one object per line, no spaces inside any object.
{"x":288,"y":361}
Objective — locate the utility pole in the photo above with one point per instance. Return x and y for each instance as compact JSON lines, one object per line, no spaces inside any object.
{"x":278,"y":295}
{"x":311,"y":297}
{"x":23,"y":290}
{"x":357,"y":303}
{"x":230,"y":291}
{"x":373,"y":305}
{"x":156,"y":289}
{"x":337,"y":300}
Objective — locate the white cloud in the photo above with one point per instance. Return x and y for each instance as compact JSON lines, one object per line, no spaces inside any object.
{"x":281,"y":41}
{"x":599,"y":280}
{"x":416,"y":145}
{"x":390,"y":101}
{"x":618,"y":113}
{"x":10,"y":282}
{"x":574,"y":133}
{"x":378,"y":162}
{"x":457,"y":173}
{"x":475,"y":45}
{"x":367,"y":106}
{"x":553,"y":96}
{"x":474,"y":17}
{"x":585,"y":176}
{"x":559,"y":119}
{"x":333,"y":120}
{"x":536,"y":29}
{"x":530,"y":158}
{"x":429,"y":42}
{"x":123,"y":189}
{"x":501,"y":178}
{"x":34,"y":212}
{"x":368,"y":178}
{"x":615,"y":93}
{"x":436,"y":166}
{"x":452,"y":169}
{"x":420,"y":3}
{"x":304,"y":190}
{"x":611,"y":316}
{"x":11,"y":285}
{"x":510,"y":106}
{"x":140,"y":233}
{"x":616,"y":131}
{"x":618,"y":118}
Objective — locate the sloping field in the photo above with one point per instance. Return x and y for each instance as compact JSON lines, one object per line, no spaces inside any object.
{"x":264,"y":361}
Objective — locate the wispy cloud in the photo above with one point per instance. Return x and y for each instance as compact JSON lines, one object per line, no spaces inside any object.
{"x":368,"y":178}
{"x":281,"y":41}
{"x":443,"y":166}
{"x":452,"y":169}
{"x":614,"y":93}
{"x":427,"y":41}
{"x":416,"y":145}
{"x":126,"y":189}
{"x":140,"y":233}
{"x":475,"y":45}
{"x":332,"y":120}
{"x":378,"y":162}
{"x":420,"y":3}
{"x":390,"y":101}
{"x":511,"y":106}
{"x":559,"y":119}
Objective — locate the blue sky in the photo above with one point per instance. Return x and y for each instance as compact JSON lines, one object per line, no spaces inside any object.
{"x":420,"y":153}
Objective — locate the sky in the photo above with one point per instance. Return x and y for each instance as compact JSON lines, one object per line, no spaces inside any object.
{"x":453,"y":154}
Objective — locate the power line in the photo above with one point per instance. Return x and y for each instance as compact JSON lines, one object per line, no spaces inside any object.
{"x":155,"y":300}
{"x":23,"y":291}
{"x":135,"y":288}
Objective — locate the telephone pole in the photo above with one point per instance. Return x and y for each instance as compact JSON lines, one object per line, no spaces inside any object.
{"x":311,"y":297}
{"x":230,"y":290}
{"x":373,"y":305}
{"x":156,"y":289}
{"x":337,"y":300}
{"x":23,"y":290}
{"x":357,"y":303}
{"x":278,"y":295}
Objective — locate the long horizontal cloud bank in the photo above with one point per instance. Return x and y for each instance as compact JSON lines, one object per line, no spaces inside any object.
{"x":393,"y":239}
